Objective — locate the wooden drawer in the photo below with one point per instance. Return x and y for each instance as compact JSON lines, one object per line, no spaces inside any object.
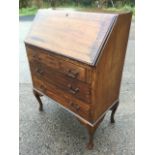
{"x":63,"y":66}
{"x":71,"y":87}
{"x":74,"y":105}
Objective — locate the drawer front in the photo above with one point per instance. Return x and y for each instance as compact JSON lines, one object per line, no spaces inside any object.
{"x":71,"y":87}
{"x":65,"y":67}
{"x":74,"y":105}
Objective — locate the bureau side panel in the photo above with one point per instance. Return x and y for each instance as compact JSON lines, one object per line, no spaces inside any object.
{"x":108,"y":71}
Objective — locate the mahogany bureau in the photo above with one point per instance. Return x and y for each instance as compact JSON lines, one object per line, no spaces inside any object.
{"x":76,"y":59}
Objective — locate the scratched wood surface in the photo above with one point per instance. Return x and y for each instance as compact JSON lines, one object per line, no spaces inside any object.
{"x":77,"y":35}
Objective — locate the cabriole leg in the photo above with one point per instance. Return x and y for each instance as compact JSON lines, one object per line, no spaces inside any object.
{"x":113,"y":109}
{"x":91,"y":131}
{"x":37,"y":95}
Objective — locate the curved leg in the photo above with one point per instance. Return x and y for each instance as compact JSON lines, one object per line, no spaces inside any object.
{"x":37,"y":95}
{"x":91,"y":131}
{"x":114,"y":108}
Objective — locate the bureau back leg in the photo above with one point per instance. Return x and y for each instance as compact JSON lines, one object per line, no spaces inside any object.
{"x":113,"y":109}
{"x":37,"y":95}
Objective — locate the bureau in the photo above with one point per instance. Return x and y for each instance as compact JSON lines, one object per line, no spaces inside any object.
{"x":76,"y":59}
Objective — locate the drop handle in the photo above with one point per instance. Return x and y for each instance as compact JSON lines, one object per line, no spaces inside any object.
{"x":40,"y":71}
{"x":74,"y":106}
{"x":73,"y":74}
{"x":72,"y":90}
{"x":34,"y":55}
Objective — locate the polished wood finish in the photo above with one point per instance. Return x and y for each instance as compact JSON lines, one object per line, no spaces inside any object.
{"x":58,"y":63}
{"x":61,"y":81}
{"x":74,"y":34}
{"x":108,"y":70}
{"x":81,"y":62}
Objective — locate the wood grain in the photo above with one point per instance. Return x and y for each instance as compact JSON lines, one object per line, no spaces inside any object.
{"x":72,"y":87}
{"x":60,"y":64}
{"x":77,"y":60}
{"x":73,"y":34}
{"x":76,"y":106}
{"x":108,"y":71}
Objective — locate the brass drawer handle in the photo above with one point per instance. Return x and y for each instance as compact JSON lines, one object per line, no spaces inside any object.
{"x":34,"y":55}
{"x":40,"y":71}
{"x":72,"y":90}
{"x":72,"y":74}
{"x":76,"y":107}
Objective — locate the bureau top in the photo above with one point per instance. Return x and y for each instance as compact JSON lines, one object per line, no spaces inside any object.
{"x":78,"y":35}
